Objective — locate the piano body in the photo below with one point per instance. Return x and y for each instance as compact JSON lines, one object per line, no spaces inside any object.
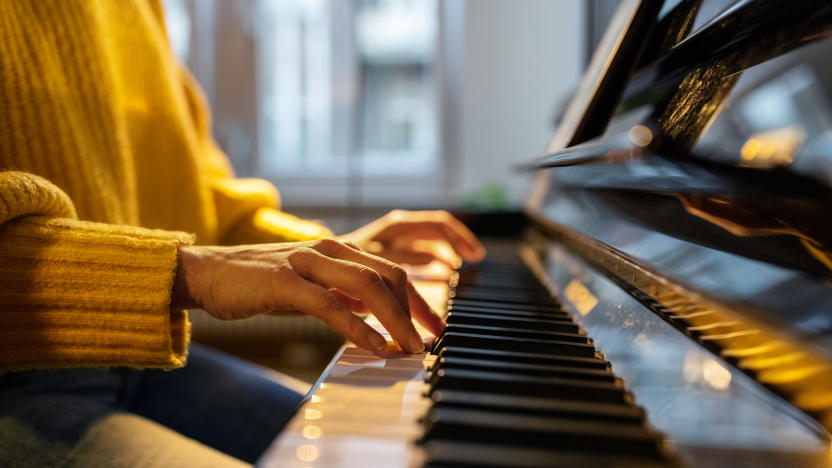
{"x":665,"y":298}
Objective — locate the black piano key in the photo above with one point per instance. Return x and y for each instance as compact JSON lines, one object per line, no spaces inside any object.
{"x":532,"y":288}
{"x":516,"y":332}
{"x":523,"y":369}
{"x":520,"y":310}
{"x":548,"y":407}
{"x":554,"y":324}
{"x":513,"y":384}
{"x":499,"y":278}
{"x":542,"y":297}
{"x":525,"y":345}
{"x":513,"y":266}
{"x":511,"y":306}
{"x":452,"y":424}
{"x":503,"y":284}
{"x":462,"y":294}
{"x":528,"y":358}
{"x":454,"y":454}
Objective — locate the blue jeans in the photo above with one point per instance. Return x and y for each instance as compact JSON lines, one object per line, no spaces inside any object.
{"x":131,"y":417}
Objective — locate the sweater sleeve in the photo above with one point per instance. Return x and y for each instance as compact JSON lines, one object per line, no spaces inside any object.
{"x":76,"y":293}
{"x":248,"y":210}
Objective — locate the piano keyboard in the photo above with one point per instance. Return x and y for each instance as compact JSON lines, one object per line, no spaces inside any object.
{"x":512,"y":381}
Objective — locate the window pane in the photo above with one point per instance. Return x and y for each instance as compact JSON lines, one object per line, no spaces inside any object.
{"x":347,"y":86}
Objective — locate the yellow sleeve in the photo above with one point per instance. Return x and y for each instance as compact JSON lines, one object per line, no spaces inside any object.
{"x":247,"y":209}
{"x":76,"y":293}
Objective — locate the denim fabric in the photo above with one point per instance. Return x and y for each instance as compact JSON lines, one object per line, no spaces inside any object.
{"x":47,"y":417}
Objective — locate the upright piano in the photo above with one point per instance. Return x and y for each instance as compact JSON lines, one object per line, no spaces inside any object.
{"x":664,"y":299}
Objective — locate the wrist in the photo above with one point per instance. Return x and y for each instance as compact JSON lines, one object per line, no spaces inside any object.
{"x":181,"y":294}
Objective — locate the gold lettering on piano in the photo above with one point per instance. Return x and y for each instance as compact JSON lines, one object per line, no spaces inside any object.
{"x":580,"y":297}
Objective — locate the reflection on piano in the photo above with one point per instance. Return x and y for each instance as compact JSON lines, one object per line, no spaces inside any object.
{"x":665,"y":298}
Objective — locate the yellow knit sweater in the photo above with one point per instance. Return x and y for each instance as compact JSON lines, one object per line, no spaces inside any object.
{"x":106,"y":160}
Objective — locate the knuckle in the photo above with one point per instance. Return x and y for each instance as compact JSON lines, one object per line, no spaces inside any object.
{"x":399,"y":275}
{"x":328,"y":245}
{"x":368,"y":278}
{"x":326,"y":302}
{"x":299,"y":254}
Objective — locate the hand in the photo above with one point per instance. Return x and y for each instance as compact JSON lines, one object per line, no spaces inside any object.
{"x":398,"y":236}
{"x":321,"y":278}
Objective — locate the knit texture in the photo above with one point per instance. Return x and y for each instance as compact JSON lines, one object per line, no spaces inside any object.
{"x":82,"y":293}
{"x":105,"y":158}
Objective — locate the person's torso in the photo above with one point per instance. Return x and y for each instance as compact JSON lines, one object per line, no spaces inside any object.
{"x":92,"y":99}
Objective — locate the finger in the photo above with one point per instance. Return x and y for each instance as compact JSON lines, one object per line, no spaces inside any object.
{"x":286,"y":313}
{"x":318,"y":302}
{"x":444,"y":227}
{"x":392,"y":274}
{"x":355,"y":305}
{"x":460,"y":237}
{"x":477,"y":250}
{"x":365,"y":284}
{"x":424,"y":313}
{"x":411,"y":257}
{"x":438,"y":248}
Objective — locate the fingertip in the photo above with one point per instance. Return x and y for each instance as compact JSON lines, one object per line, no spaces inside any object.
{"x":481,"y":254}
{"x":475,"y":255}
{"x":416,"y":344}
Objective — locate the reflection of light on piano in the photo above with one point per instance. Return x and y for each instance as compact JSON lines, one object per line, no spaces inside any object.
{"x":772,"y":148}
{"x":691,"y":369}
{"x":580,"y":297}
{"x":311,"y":431}
{"x":640,"y":135}
{"x":307,"y":453}
{"x":312,"y":414}
{"x":716,"y":375}
{"x":696,"y":369}
{"x":315,"y":399}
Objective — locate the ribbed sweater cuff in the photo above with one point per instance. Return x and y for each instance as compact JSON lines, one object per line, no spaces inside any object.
{"x":269,"y":225}
{"x":76,"y":293}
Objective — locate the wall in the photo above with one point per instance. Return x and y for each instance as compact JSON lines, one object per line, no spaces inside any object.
{"x":521,"y":61}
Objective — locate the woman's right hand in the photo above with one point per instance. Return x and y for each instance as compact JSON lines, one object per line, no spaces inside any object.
{"x":316,"y":278}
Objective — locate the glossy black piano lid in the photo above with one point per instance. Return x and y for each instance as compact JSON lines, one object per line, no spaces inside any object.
{"x":728,"y":132}
{"x":716,"y":168}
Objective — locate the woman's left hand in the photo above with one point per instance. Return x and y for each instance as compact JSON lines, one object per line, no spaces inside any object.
{"x":416,"y":237}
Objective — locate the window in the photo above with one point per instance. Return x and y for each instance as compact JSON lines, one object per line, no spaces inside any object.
{"x":347,"y":87}
{"x":408,"y":103}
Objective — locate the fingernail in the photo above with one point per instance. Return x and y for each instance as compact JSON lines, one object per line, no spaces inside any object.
{"x":416,"y":344}
{"x":376,"y":341}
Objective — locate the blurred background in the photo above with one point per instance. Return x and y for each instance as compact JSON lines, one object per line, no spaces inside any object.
{"x":355,"y":107}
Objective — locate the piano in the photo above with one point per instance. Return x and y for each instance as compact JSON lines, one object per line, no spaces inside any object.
{"x":664,"y":298}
